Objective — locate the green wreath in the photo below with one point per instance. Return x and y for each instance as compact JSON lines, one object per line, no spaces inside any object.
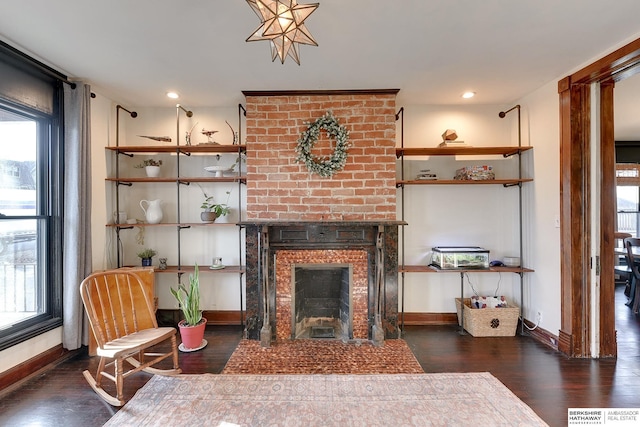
{"x":325,"y":166}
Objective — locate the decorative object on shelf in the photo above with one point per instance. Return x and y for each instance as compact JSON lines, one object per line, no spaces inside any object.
{"x":475,"y":173}
{"x":188,"y":136}
{"x":449,"y":135}
{"x":425,"y":174}
{"x":209,"y":135}
{"x":162,"y":264}
{"x":150,"y":166}
{"x":282,"y":24}
{"x":193,"y":325}
{"x":219,"y":170}
{"x":234,"y":133}
{"x":153,"y":211}
{"x":216,"y":264}
{"x":146,"y":255}
{"x":213,"y":210}
{"x":449,"y":139}
{"x":326,"y":166}
{"x":157,"y":138}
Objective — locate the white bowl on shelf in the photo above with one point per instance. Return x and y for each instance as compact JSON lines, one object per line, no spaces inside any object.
{"x":218,"y":170}
{"x":511,"y":261}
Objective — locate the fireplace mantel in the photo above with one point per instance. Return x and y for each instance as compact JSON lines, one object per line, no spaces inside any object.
{"x":339,"y":223}
{"x":378,"y":240}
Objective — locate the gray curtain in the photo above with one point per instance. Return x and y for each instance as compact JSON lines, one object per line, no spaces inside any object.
{"x":77,"y":211}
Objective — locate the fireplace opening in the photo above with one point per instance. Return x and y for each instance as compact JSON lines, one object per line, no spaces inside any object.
{"x":321,"y":301}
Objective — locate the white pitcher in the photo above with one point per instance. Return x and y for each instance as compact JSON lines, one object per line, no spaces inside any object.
{"x":153,"y":211}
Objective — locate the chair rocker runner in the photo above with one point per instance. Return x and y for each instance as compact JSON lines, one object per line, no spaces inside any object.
{"x":124,"y":325}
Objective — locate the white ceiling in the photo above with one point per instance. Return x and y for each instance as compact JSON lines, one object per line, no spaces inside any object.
{"x":136,"y":51}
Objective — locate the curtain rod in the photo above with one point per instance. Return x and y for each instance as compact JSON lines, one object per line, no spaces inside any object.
{"x":40,"y":65}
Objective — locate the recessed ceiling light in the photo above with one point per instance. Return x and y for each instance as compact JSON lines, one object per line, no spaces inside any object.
{"x":173,"y":95}
{"x":468,"y":95}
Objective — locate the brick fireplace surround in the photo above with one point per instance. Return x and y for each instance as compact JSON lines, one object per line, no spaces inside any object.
{"x":296,"y":217}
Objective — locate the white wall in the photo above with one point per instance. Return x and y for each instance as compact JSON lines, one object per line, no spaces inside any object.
{"x":542,"y":206}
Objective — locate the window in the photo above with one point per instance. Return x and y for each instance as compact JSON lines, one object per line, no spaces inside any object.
{"x":30,"y":202}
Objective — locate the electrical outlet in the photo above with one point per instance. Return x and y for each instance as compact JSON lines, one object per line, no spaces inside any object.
{"x":539,"y":316}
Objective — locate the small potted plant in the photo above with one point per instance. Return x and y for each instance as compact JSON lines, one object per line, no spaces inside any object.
{"x":145,"y":255}
{"x":151,"y":167}
{"x":193,"y":325}
{"x":212,"y":211}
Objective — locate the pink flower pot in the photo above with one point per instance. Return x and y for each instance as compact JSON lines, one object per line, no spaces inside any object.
{"x":192,"y":336}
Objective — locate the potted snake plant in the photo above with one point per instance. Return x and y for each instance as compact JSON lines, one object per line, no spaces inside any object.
{"x":193,"y":325}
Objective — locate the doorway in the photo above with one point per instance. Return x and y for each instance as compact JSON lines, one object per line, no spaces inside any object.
{"x":575,"y":336}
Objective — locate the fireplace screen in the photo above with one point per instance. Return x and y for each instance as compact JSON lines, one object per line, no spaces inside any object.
{"x":321,"y":301}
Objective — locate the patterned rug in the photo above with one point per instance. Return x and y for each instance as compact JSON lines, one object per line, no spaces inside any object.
{"x":312,"y":356}
{"x":461,"y":399}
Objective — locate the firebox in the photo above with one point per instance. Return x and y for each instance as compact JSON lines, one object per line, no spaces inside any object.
{"x":321,"y":301}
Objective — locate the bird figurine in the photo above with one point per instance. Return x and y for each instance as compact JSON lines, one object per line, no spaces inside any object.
{"x":209,"y":134}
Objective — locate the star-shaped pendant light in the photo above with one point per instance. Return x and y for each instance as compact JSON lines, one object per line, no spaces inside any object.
{"x":283,"y":26}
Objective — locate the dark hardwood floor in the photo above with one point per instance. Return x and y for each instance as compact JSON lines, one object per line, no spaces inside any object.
{"x":543,"y":378}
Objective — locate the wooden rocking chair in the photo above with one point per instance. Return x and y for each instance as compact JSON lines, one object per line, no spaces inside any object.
{"x":124,"y":325}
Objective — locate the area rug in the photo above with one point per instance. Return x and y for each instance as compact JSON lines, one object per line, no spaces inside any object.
{"x":312,"y":356}
{"x":460,"y":399}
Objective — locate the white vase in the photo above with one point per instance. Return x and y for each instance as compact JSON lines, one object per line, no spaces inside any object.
{"x":153,"y":211}
{"x":152,"y":171}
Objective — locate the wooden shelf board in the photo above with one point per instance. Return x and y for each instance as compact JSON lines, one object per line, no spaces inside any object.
{"x":173,"y":224}
{"x":460,"y":151}
{"x":428,"y":269}
{"x":189,"y":269}
{"x":513,"y":181}
{"x":200,"y":148}
{"x":241,"y":178}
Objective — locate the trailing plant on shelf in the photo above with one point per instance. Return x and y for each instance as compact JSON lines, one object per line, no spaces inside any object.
{"x":189,"y":299}
{"x":148,"y":162}
{"x":220,"y":209}
{"x":212,"y":210}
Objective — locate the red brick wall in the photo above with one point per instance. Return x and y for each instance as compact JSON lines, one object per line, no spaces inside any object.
{"x":279,"y":188}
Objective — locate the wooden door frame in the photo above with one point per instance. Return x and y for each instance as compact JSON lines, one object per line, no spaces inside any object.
{"x":575,"y":191}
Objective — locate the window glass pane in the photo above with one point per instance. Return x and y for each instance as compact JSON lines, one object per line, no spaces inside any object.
{"x":21,"y":297}
{"x":628,"y":205}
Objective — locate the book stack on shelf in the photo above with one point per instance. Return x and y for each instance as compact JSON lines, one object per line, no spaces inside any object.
{"x":425,"y":174}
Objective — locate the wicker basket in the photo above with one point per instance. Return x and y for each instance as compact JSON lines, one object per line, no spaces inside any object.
{"x":489,"y":322}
